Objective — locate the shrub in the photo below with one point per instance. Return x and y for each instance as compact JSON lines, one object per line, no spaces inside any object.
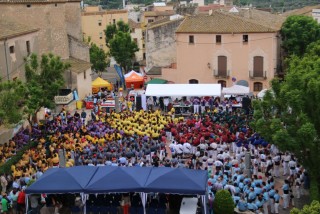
{"x":223,"y":203}
{"x":313,"y":208}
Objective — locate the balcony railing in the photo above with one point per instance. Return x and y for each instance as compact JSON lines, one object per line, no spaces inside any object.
{"x":252,"y":76}
{"x":219,"y":75}
{"x":63,"y":99}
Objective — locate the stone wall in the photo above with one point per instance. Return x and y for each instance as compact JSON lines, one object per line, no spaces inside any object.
{"x":161,"y":45}
{"x":78,"y":49}
{"x":49,"y":18}
{"x":73,"y":19}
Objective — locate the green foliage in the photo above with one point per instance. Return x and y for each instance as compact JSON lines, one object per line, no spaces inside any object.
{"x":313,"y":208}
{"x":98,"y":58}
{"x":11,"y":94}
{"x":121,"y":45}
{"x":6,"y":167}
{"x":223,"y":203}
{"x":290,"y":116}
{"x":44,"y":79}
{"x":298,"y":32}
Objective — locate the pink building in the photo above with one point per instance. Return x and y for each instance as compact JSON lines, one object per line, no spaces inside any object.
{"x":226,"y":48}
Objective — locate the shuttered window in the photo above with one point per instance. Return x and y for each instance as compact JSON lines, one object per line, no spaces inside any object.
{"x":257,"y":86}
{"x":222,"y":83}
{"x":258,"y":66}
{"x":222,"y":66}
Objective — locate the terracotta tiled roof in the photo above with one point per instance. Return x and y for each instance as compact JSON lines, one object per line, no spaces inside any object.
{"x":220,"y":22}
{"x":162,"y":22}
{"x":116,"y":11}
{"x":206,"y":8}
{"x":10,"y":29}
{"x":35,"y":1}
{"x":265,"y":18}
{"x":159,"y":13}
{"x":307,"y":11}
{"x":133,"y":24}
{"x":78,"y":66}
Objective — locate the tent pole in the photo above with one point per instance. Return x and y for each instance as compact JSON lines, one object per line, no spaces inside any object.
{"x":27,"y":203}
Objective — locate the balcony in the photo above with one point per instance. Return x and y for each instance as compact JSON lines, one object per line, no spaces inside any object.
{"x":221,"y":75}
{"x":65,"y":97}
{"x":256,"y":77}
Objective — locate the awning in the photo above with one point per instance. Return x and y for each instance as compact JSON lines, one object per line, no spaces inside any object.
{"x":156,"y":81}
{"x":101,"y":83}
{"x":236,"y":90}
{"x":189,"y":90}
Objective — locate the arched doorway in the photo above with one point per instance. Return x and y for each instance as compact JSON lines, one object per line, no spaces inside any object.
{"x":193,"y":81}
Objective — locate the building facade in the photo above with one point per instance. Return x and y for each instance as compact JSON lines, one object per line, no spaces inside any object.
{"x":161,"y":43}
{"x":59,"y":28}
{"x":226,"y":48}
{"x":95,"y":20}
{"x":17,"y":42}
{"x":137,"y":36}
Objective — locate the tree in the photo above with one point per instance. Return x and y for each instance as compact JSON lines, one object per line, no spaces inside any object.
{"x":98,"y":58}
{"x":298,"y":32}
{"x":121,"y":45}
{"x":223,"y":203}
{"x":313,"y":208}
{"x":43,"y":80}
{"x":11,"y":94}
{"x":290,"y":116}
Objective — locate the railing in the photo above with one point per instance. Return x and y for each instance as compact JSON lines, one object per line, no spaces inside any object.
{"x":218,"y":75}
{"x":252,"y":76}
{"x":63,"y":99}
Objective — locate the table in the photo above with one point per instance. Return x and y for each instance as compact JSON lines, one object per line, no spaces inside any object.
{"x":189,"y":206}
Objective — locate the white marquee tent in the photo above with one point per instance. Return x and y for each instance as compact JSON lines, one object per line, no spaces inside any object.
{"x":236,"y":90}
{"x":190,"y":90}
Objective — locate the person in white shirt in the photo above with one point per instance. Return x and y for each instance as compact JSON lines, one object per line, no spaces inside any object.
{"x":218,"y":165}
{"x":292,"y":166}
{"x":276,"y":167}
{"x":187,"y":148}
{"x":263,"y":162}
{"x":286,"y":160}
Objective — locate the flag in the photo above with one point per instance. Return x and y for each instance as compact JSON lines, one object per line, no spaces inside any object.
{"x":119,"y":71}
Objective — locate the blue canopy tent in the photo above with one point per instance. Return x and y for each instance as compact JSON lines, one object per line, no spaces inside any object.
{"x":177,"y":180}
{"x":118,"y":179}
{"x":63,"y":180}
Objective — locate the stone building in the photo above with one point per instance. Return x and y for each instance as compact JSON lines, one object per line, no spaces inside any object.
{"x":17,"y":42}
{"x":137,"y":37}
{"x":161,"y":42}
{"x":59,"y":29}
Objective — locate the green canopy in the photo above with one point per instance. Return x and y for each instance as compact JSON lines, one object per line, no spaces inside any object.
{"x":157,"y":81}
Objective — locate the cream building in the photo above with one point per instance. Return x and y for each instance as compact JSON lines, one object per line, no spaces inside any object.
{"x":95,"y":20}
{"x":221,"y":47}
{"x":136,"y":34}
{"x":17,"y":42}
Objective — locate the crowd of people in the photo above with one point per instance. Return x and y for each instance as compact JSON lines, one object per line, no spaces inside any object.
{"x":216,"y":141}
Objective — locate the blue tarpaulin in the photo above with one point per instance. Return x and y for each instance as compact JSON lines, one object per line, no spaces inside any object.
{"x":63,"y":180}
{"x":118,"y":179}
{"x":105,"y":179}
{"x":177,"y":180}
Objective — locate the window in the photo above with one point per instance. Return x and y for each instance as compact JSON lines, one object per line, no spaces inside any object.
{"x":150,"y":20}
{"x":138,"y":20}
{"x":100,"y":23}
{"x":100,"y":35}
{"x":56,"y":5}
{"x":191,"y":39}
{"x":135,"y":40}
{"x":28,"y":47}
{"x":222,"y":66}
{"x":144,"y":55}
{"x":193,"y":81}
{"x":114,"y":21}
{"x":28,"y":5}
{"x":85,"y":75}
{"x":143,"y":45}
{"x":257,"y":86}
{"x":11,"y":49}
{"x":223,"y":83}
{"x":258,"y":66}
{"x":245,"y":38}
{"x":218,"y":39}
